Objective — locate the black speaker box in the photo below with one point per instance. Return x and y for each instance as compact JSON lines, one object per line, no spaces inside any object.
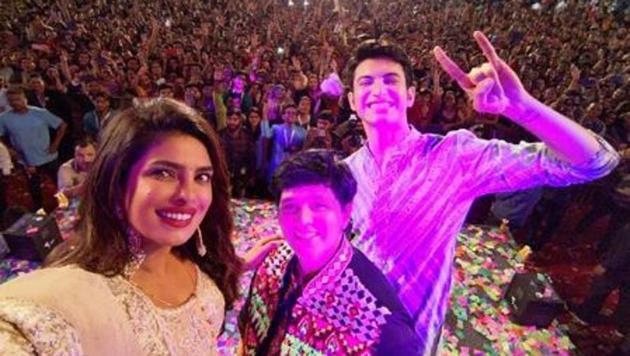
{"x":4,"y":249}
{"x":32,"y":237}
{"x":532,"y":300}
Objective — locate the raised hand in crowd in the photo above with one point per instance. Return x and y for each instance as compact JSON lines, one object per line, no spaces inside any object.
{"x":493,"y":87}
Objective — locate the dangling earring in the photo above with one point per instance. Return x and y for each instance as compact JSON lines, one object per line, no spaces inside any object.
{"x":135,"y":241}
{"x":347,"y":231}
{"x":201,"y":247}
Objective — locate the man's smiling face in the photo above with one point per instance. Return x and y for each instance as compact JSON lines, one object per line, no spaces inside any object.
{"x":380,"y":95}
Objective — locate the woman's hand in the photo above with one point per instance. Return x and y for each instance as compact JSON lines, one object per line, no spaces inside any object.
{"x":255,"y":255}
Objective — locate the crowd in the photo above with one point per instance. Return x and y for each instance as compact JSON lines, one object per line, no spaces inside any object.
{"x":241,"y":64}
{"x":267,"y":76}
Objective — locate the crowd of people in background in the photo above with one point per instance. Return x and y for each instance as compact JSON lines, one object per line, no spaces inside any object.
{"x":265,"y":74}
{"x":257,"y":70}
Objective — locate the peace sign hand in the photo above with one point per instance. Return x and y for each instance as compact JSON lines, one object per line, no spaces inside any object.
{"x":493,"y":87}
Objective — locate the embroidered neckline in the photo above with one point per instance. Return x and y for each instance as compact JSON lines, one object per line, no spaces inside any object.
{"x":176,"y":308}
{"x":331,"y":272}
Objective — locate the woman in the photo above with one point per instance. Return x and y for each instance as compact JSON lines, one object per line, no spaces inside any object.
{"x":152,"y":267}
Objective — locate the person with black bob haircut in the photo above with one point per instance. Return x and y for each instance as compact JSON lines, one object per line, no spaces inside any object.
{"x":316,"y":293}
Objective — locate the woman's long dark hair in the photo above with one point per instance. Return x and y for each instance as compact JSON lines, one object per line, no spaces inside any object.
{"x":101,"y":245}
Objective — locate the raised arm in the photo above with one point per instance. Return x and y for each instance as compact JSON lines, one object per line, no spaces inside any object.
{"x":496,"y":89}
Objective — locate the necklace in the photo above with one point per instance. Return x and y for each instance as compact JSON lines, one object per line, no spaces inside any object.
{"x":168,"y":304}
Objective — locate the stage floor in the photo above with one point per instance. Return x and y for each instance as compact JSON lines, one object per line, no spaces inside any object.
{"x":478,"y":319}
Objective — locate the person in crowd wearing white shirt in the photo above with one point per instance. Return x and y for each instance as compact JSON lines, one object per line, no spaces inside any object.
{"x":73,"y":172}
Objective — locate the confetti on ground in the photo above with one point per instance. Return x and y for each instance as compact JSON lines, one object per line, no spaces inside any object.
{"x":478,"y":320}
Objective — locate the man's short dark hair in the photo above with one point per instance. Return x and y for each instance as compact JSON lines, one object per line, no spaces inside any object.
{"x":255,"y":109}
{"x":196,"y":85}
{"x":16,"y":90}
{"x":86,"y":141}
{"x":35,"y":76}
{"x":103,"y":95}
{"x":165,"y":86}
{"x":379,"y":49}
{"x":316,"y":166}
{"x":326,"y":115}
{"x":234,"y":111}
{"x":287,"y":106}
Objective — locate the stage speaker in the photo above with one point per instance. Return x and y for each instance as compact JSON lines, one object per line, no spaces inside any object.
{"x":532,"y":300}
{"x":4,"y":249}
{"x":32,"y":237}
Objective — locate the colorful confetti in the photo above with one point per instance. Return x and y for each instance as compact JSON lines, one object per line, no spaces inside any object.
{"x":486,"y":260}
{"x":478,"y":320}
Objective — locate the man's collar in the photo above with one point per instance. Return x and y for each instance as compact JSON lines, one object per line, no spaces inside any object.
{"x":20,"y":112}
{"x":398,"y":147}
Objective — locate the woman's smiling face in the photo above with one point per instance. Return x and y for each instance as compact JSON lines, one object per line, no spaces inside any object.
{"x":169,"y":190}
